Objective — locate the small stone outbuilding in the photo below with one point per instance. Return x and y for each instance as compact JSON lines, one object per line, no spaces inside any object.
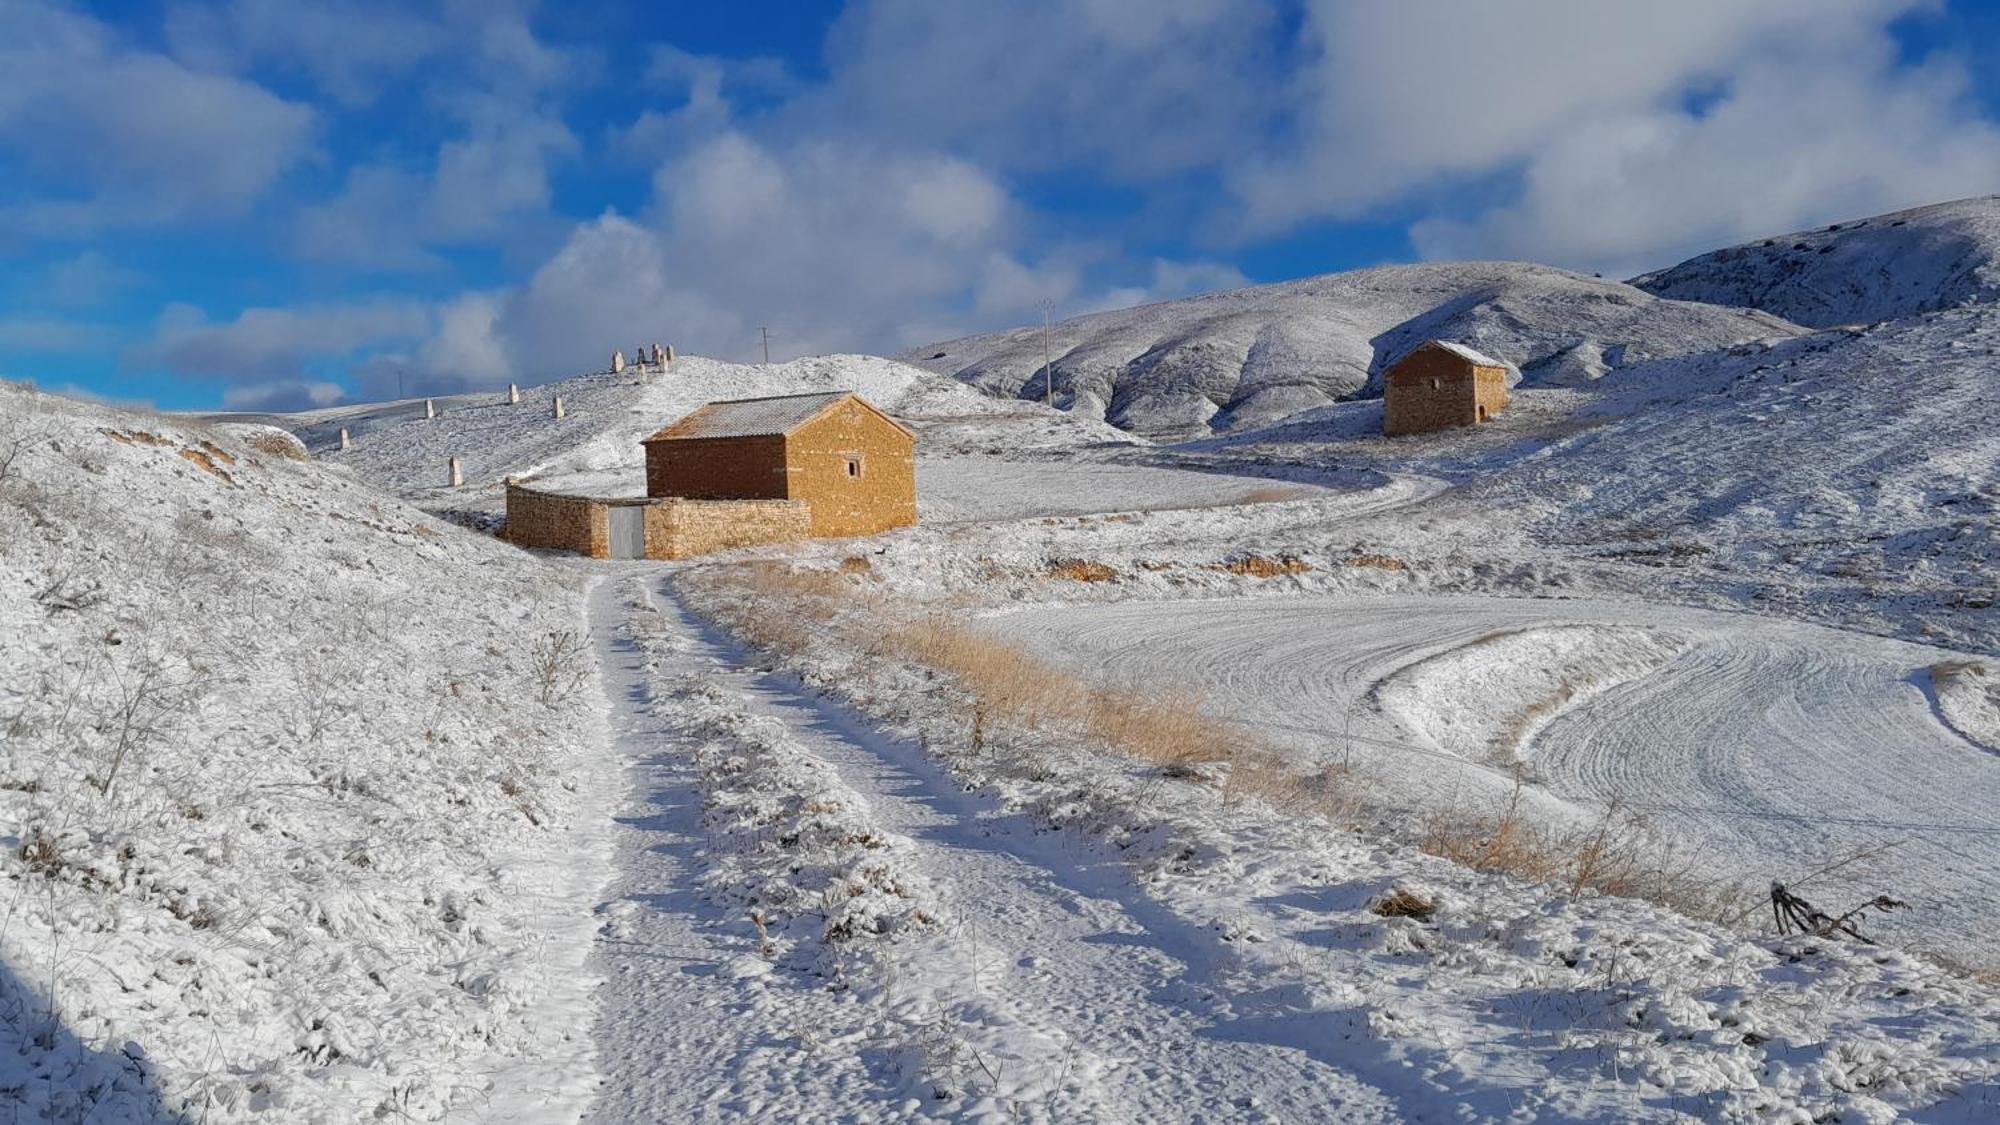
{"x":851,"y":464}
{"x":1441,"y":385}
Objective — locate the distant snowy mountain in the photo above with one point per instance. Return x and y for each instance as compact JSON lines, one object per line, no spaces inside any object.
{"x":1856,"y":272}
{"x":1250,"y":357}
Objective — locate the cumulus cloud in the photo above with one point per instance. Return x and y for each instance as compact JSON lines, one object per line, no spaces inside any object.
{"x":1128,"y":88}
{"x":350,"y":49}
{"x":276,"y":345}
{"x":832,"y":246}
{"x":103,"y":134}
{"x":1794,"y":141}
{"x":489,"y":185}
{"x":90,"y":278}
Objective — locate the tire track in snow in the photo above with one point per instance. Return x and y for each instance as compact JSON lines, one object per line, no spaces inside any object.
{"x":1062,"y":946}
{"x":1768,"y":747}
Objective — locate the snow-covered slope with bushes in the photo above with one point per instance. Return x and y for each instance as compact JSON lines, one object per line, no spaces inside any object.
{"x":288,"y":775}
{"x":595,"y":446}
{"x":1854,"y":272}
{"x":1250,"y":357}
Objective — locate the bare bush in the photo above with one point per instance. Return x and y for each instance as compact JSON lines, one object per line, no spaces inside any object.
{"x":559,"y":665}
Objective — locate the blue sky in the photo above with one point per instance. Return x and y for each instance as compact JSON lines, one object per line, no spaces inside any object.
{"x":266,"y":203}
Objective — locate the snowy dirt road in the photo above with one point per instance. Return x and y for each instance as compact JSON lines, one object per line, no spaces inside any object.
{"x":1764,"y":746}
{"x":1049,"y":988}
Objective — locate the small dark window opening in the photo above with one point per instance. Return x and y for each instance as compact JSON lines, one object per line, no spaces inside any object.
{"x":854,"y":466}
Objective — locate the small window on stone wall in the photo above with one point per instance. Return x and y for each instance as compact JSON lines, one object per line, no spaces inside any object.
{"x":854,"y":466}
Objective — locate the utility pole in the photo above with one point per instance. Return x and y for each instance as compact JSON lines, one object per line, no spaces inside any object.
{"x":767,"y":344}
{"x":1048,"y":368}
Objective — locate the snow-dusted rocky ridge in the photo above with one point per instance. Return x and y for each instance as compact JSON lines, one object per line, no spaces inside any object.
{"x":1250,"y":357}
{"x":287,"y":807}
{"x":1853,"y":272}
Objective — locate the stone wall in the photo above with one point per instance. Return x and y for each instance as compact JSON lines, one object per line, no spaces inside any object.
{"x":857,"y":470}
{"x":557,"y":522}
{"x":1432,"y":389}
{"x":679,"y":529}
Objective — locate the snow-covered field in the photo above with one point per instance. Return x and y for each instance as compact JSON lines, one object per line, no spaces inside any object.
{"x":307,"y":793}
{"x":288,"y":810}
{"x":1767,"y":747}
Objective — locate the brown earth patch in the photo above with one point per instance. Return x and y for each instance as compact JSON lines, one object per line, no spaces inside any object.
{"x":201,"y":460}
{"x":1379,"y":562}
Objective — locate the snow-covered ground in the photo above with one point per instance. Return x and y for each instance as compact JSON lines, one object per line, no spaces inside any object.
{"x":595,"y":446}
{"x":289,"y":812}
{"x":1765,"y":747}
{"x":1854,"y":272}
{"x":1264,"y":965}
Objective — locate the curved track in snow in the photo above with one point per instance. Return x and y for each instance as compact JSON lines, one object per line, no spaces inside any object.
{"x":1769,"y":748}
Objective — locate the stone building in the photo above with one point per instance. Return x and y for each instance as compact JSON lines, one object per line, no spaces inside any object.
{"x":739,"y":474}
{"x":854,"y":466}
{"x":1440,"y":385}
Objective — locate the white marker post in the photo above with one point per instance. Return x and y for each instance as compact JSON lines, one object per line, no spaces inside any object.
{"x":559,"y":413}
{"x":430,"y":409}
{"x":344,"y":446}
{"x":513,"y":395}
{"x":457,"y":474}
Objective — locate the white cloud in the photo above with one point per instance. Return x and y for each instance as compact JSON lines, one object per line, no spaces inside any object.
{"x":350,"y":50}
{"x":1401,"y":95}
{"x":833,"y":246}
{"x":88,"y":279}
{"x":49,"y":335}
{"x":263,"y":345}
{"x":1797,"y":140}
{"x":107,"y":135}
{"x":283,"y":396}
{"x":1126,"y":88}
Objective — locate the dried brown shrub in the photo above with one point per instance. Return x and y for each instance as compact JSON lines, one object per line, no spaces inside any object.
{"x":1379,"y":562}
{"x":1403,"y":903}
{"x":1080,"y":570}
{"x":856,"y":564}
{"x":1260,"y":566}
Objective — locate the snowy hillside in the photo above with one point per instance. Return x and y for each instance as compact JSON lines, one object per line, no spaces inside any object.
{"x":287,"y":788}
{"x":1854,"y":272}
{"x":1250,"y":357}
{"x":1844,"y":474}
{"x":596,"y":445}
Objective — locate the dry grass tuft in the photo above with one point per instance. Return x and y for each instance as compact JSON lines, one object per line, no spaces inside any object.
{"x":1403,"y":903}
{"x":856,"y":564}
{"x":1618,"y":854}
{"x":1080,"y":570}
{"x":1260,"y":566}
{"x":1379,"y":562}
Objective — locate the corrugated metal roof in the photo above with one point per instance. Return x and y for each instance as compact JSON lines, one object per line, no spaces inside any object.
{"x":751,"y":417}
{"x":1463,"y":352}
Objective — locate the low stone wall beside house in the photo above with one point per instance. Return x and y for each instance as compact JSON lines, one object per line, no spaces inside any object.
{"x":556,"y":521}
{"x":679,"y":529}
{"x":675,"y":528}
